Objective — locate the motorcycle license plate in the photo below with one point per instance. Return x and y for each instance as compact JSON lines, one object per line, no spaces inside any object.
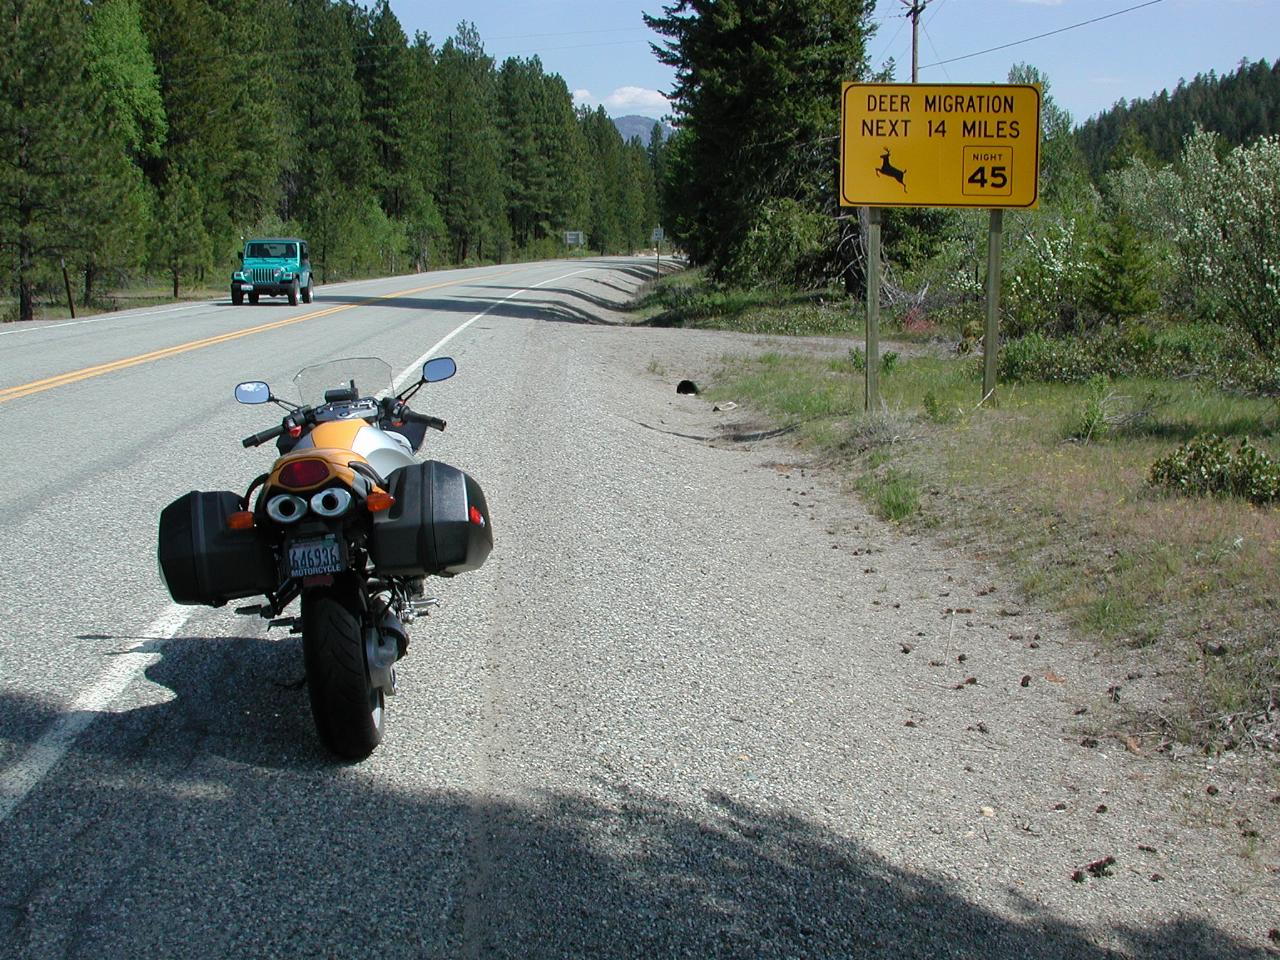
{"x":307,"y":558}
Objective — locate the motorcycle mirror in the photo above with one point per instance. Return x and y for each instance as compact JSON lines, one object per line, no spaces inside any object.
{"x":253,"y":392}
{"x":438,"y":368}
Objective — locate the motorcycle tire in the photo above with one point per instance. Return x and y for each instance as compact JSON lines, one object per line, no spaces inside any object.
{"x":348,"y":711}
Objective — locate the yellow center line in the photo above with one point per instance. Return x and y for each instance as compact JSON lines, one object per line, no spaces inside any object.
{"x":87,"y":373}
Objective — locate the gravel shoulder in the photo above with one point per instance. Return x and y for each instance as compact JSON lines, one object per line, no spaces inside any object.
{"x":798,"y":732}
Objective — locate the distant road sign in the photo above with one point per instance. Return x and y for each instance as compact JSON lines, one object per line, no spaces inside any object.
{"x":658,"y":235}
{"x":574,"y":238}
{"x":939,"y":145}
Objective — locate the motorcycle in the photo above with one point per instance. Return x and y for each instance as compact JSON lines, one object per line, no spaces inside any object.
{"x":347,"y":521}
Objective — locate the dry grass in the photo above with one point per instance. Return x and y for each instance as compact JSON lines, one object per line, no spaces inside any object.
{"x":1186,"y":586}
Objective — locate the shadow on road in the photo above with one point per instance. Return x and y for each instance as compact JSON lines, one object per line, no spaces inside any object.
{"x":211,"y":824}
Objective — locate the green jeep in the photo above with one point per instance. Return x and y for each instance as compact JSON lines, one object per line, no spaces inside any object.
{"x":275,"y":266}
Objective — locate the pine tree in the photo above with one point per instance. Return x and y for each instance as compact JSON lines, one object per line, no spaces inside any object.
{"x":1119,"y":287}
{"x":57,"y":142}
{"x":389,"y":110}
{"x":120,"y":59}
{"x":180,"y":243}
{"x":757,"y":100}
{"x":470,"y":192}
{"x":328,"y":178}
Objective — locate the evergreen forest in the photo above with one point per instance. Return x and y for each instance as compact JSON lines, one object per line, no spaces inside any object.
{"x":145,"y":138}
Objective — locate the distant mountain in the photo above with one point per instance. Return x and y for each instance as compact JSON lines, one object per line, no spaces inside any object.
{"x":642,"y":127}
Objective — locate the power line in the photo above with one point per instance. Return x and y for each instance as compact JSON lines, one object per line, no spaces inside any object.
{"x":1041,"y":36}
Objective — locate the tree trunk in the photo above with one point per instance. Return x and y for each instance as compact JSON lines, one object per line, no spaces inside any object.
{"x":88,"y":284}
{"x":26,"y":301}
{"x":175,"y":283}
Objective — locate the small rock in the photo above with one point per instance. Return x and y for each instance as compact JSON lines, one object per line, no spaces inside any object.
{"x":687,"y":388}
{"x":1059,"y":806}
{"x":1146,"y":849}
{"x":1156,"y":878}
{"x":1090,"y":742}
{"x":1101,"y":867}
{"x":987,"y":811}
{"x":1026,"y":680}
{"x":1211,"y":790}
{"x":1102,"y":808}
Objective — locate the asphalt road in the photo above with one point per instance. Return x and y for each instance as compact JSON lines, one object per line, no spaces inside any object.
{"x":695,"y":705}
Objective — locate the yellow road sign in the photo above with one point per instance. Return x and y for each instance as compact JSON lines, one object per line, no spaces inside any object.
{"x":939,"y":145}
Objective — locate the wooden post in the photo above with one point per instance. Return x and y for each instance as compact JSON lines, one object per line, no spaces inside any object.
{"x":871,"y":399}
{"x":66,"y":280}
{"x":991,"y":334}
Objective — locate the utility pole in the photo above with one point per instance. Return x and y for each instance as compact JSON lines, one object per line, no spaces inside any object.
{"x":914,"y":9}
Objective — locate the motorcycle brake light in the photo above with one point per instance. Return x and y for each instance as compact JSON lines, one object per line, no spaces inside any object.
{"x":295,"y":431}
{"x":240,"y":520}
{"x":379,"y":501}
{"x":303,"y":473}
{"x":475,"y":516}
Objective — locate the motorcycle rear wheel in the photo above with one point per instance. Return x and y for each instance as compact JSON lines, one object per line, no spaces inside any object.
{"x":348,"y":711}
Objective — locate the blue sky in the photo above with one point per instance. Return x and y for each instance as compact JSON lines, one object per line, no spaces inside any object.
{"x":601,"y":47}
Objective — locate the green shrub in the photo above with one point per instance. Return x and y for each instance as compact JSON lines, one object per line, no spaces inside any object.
{"x":1093,"y":420}
{"x":894,"y":494}
{"x":1205,"y":467}
{"x":1138,"y":350}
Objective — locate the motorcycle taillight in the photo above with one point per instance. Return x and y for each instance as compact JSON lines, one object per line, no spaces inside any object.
{"x":300,"y":474}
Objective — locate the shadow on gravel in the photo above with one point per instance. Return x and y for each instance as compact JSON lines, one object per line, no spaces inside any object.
{"x":212,"y":825}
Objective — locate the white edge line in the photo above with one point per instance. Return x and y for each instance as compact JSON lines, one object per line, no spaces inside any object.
{"x":24,"y":775}
{"x":414,"y":370}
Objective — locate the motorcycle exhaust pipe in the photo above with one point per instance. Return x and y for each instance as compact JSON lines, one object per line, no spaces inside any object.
{"x":333,"y":502}
{"x":286,"y":508}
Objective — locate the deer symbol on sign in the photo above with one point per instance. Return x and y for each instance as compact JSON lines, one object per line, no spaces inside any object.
{"x":889,"y":170}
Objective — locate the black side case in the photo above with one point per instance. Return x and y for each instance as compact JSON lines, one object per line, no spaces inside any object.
{"x":438,"y":525}
{"x":204,"y":563}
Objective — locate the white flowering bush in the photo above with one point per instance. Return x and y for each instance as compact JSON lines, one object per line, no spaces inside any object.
{"x":1045,"y":271}
{"x":1228,"y":235}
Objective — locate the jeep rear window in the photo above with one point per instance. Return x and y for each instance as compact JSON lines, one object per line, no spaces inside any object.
{"x":276,"y":250}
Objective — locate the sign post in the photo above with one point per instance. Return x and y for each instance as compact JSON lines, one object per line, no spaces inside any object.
{"x":657,"y":239}
{"x":991,"y":332}
{"x":871,"y":396}
{"x":940,"y":145}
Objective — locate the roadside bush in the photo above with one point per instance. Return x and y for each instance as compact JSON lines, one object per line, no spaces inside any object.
{"x":1139,"y":350}
{"x":1045,"y":277}
{"x":1205,"y":467}
{"x":1229,"y":235}
{"x":787,"y":245}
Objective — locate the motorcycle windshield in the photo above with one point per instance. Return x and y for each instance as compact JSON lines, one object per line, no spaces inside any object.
{"x":370,"y":376}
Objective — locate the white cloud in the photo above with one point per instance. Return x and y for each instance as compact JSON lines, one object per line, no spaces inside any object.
{"x":583,"y":98}
{"x":637,"y":100}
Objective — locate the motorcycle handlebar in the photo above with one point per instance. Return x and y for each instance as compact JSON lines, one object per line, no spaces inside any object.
{"x":409,"y":416}
{"x":263,"y":437}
